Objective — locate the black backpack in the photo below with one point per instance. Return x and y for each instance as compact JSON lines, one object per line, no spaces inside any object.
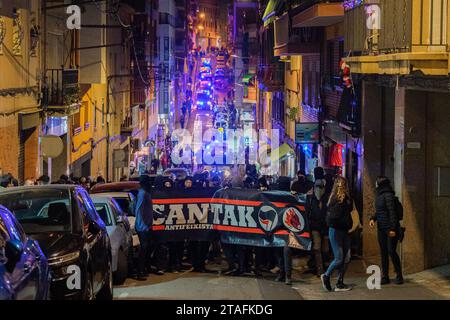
{"x":398,"y":209}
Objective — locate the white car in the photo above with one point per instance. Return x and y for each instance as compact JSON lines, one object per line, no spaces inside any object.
{"x":119,"y":232}
{"x":126,"y":202}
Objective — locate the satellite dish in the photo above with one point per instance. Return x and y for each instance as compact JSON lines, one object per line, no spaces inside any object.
{"x":51,"y":146}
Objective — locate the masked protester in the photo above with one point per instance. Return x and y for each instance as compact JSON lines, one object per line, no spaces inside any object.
{"x":168,"y":184}
{"x":339,"y":220}
{"x":316,"y":211}
{"x":43,"y":180}
{"x":284,"y":254}
{"x":176,"y":249}
{"x":262,"y":184}
{"x":188,"y":183}
{"x":198,"y":250}
{"x":388,"y":229}
{"x":300,"y":185}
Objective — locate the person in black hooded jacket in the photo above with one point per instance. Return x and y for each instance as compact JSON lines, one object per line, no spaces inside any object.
{"x":388,"y":228}
{"x":316,"y":211}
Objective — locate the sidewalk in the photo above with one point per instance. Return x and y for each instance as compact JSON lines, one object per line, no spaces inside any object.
{"x":427,"y":285}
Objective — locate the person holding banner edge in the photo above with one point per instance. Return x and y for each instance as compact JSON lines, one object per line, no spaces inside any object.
{"x":143,"y":224}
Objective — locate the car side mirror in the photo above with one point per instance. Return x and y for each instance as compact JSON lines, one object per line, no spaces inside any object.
{"x":120,"y":219}
{"x":13,"y":252}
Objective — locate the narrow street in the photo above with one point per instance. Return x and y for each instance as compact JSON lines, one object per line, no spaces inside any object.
{"x":216,"y":150}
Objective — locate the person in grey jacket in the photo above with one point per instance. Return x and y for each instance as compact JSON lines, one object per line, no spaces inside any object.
{"x":388,"y":226}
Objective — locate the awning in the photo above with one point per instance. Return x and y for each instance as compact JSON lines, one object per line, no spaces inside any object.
{"x":281,"y":152}
{"x":246,"y":78}
{"x":271,"y":11}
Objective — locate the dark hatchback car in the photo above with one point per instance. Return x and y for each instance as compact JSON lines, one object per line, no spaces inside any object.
{"x":24,"y":270}
{"x":63,"y":219}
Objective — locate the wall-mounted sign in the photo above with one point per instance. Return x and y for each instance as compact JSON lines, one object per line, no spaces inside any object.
{"x":307,"y":132}
{"x":413,"y":145}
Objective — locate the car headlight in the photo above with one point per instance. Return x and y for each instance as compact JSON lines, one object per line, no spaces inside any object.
{"x":67,"y":258}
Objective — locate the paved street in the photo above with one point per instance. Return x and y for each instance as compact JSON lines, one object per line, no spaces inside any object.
{"x":428,"y":285}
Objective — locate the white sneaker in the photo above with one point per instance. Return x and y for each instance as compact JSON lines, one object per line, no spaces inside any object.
{"x":342,"y":287}
{"x":275,"y":270}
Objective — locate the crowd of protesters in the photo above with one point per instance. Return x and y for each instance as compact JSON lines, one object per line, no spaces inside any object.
{"x":329,"y":208}
{"x":8,"y":181}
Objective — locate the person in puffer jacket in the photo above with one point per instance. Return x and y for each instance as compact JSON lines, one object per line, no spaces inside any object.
{"x":388,"y":226}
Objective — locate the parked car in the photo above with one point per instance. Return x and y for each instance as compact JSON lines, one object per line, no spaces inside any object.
{"x":126,"y":201}
{"x":63,"y":219}
{"x":24,"y":270}
{"x":119,"y":232}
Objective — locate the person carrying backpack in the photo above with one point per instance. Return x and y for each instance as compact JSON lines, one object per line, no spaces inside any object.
{"x":388,"y":214}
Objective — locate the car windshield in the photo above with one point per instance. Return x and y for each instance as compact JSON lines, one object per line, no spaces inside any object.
{"x":102,"y":211}
{"x":40,"y":210}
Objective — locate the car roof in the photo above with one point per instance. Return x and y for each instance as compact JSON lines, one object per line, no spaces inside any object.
{"x":116,"y":194}
{"x":68,"y":187}
{"x":123,"y":186}
{"x":101,"y":198}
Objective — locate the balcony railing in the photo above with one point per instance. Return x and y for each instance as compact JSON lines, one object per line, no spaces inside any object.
{"x":61,"y":87}
{"x":404,"y":24}
{"x":127,"y":125}
{"x":138,"y":96}
{"x":272,"y":76}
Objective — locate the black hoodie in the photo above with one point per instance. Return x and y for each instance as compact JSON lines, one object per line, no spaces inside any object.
{"x":385,"y":215}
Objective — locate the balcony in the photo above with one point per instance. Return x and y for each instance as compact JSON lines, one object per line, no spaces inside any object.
{"x":138,"y":96}
{"x":272,"y":76}
{"x":411,"y":35}
{"x":297,"y":41}
{"x":126,"y":128}
{"x":61,"y":91}
{"x":317,"y":13}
